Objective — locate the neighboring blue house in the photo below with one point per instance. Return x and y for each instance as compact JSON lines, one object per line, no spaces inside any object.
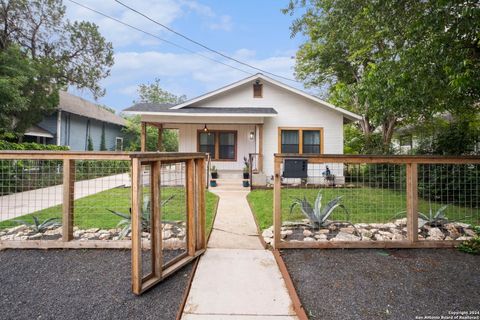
{"x":76,"y":120}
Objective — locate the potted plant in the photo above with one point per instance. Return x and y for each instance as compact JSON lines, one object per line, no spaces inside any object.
{"x":246,"y":168}
{"x":214,"y":172}
{"x":246,"y":183}
{"x":213,"y":183}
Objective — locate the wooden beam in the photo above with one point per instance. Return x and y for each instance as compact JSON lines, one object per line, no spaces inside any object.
{"x":136,"y":227}
{"x":412,"y":202}
{"x":143,"y":137}
{"x":58,"y":244}
{"x":156,"y":220}
{"x":277,"y":203}
{"x":68,"y":199}
{"x":160,"y":146}
{"x":191,"y":218}
{"x":260,"y":148}
{"x":201,"y":209}
{"x":368,"y":244}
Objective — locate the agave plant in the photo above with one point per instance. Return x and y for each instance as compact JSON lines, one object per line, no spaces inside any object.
{"x":316,"y":214}
{"x":39,"y":226}
{"x":436,"y":219}
{"x":126,"y":222}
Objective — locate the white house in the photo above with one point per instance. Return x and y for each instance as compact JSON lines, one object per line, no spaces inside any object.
{"x":257,"y":115}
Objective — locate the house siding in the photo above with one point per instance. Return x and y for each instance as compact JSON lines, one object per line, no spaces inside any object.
{"x":187,"y":135}
{"x":293,"y":111}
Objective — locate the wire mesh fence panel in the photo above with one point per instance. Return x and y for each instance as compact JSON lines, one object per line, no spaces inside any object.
{"x":102,"y":205}
{"x":449,"y":201}
{"x":27,"y":189}
{"x":173,"y":210}
{"x":344,"y":202}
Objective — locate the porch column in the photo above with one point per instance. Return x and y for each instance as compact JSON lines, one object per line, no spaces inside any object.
{"x":160,"y":138}
{"x":260,"y":148}
{"x":143,"y":136}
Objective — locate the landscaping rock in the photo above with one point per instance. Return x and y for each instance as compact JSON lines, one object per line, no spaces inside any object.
{"x":309,"y":239}
{"x":435,"y":234}
{"x":267,"y":233}
{"x":323,"y":231}
{"x":321,"y":236}
{"x":464,"y":238}
{"x":92,"y":230}
{"x":104,"y":236}
{"x":401,"y":222}
{"x":350,"y":230}
{"x":307,"y":233}
{"x":470,"y":232}
{"x":343,"y":236}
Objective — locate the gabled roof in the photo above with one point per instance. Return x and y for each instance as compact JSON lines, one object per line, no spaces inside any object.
{"x":79,"y":106}
{"x":164,"y":109}
{"x":347,"y":114}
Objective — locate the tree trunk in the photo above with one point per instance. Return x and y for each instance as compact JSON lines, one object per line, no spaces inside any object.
{"x":388,"y":128}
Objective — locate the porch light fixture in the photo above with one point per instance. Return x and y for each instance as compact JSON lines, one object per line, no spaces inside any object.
{"x":252,"y":135}
{"x":205,"y":129}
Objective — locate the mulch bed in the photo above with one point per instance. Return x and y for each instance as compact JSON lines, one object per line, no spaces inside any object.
{"x":385,"y":284}
{"x":82,"y":284}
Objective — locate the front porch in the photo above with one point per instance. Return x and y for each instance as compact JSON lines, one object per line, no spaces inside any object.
{"x":234,"y":144}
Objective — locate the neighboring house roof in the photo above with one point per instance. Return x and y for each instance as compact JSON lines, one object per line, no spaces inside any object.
{"x":79,"y":106}
{"x":164,"y":109}
{"x":167,"y":109}
{"x":36,"y":131}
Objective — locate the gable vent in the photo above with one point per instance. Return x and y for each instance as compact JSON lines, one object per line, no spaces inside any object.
{"x":257,"y":90}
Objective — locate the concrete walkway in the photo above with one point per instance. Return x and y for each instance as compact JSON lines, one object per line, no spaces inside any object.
{"x":21,"y":203}
{"x":236,"y":278}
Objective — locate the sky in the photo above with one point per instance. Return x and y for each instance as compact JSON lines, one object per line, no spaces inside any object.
{"x":255,"y":32}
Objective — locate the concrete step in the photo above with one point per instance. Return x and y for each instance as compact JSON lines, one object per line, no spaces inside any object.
{"x":227,"y":174}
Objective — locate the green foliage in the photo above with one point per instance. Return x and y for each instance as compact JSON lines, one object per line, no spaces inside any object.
{"x":90,"y":144}
{"x":393,"y":62}
{"x":5,"y":145}
{"x":152,"y":93}
{"x":146,"y":221}
{"x":79,"y":54}
{"x":27,"y":92}
{"x":471,"y":246}
{"x":39,"y":226}
{"x":316,"y":214}
{"x":103,"y":144}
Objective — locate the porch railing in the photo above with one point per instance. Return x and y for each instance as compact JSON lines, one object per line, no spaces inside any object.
{"x":344,"y":201}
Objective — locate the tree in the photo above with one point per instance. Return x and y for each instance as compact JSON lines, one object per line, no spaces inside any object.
{"x":27,"y":92}
{"x":90,"y":144}
{"x":103,"y":144}
{"x":393,"y":62}
{"x":82,"y":56}
{"x":152,"y":93}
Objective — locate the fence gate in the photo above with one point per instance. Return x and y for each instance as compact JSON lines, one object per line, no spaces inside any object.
{"x":168,"y":215}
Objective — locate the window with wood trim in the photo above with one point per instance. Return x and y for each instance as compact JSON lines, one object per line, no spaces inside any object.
{"x":221,"y":145}
{"x":300,"y":140}
{"x":257,"y":90}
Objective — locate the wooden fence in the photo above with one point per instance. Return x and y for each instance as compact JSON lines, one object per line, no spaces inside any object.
{"x":450,"y":184}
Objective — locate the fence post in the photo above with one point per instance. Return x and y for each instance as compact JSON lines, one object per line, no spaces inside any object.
{"x":191,"y":237}
{"x":201,"y":218}
{"x":68,"y":199}
{"x":156,"y":220}
{"x":136,"y":227}
{"x":412,"y":202}
{"x":277,"y":203}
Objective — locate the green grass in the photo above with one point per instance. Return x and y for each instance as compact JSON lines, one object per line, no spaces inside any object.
{"x":92,"y":211}
{"x":367,"y":205}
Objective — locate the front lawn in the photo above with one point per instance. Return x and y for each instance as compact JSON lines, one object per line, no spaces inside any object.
{"x":366,"y":205}
{"x":92,"y":211}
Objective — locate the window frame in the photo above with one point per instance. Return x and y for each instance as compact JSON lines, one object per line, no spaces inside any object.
{"x":215,"y":157}
{"x":121,"y":144}
{"x":300,"y":137}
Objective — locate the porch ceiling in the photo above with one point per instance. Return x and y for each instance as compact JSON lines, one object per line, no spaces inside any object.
{"x":204,"y":118}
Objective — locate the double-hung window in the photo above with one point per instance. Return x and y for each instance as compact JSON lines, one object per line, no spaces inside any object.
{"x":301,"y":140}
{"x":221,"y":145}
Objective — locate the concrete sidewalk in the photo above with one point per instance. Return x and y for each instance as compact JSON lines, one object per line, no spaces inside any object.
{"x":21,"y":203}
{"x":236,"y":278}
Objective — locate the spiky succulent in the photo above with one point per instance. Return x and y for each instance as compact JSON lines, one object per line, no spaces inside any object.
{"x":317,"y":215}
{"x":126,"y":222}
{"x":40,"y":226}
